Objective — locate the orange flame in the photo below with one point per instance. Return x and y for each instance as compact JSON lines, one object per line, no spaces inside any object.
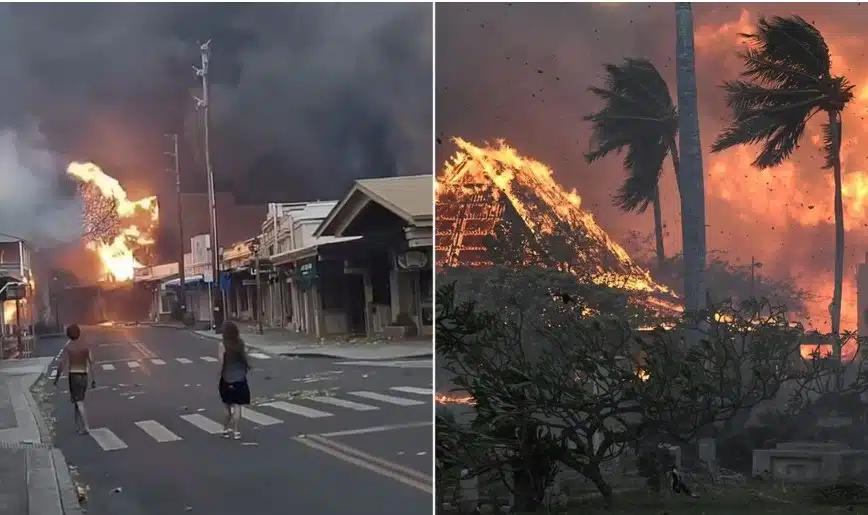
{"x":509,"y":171}
{"x":115,"y":247}
{"x":8,"y":313}
{"x":443,"y":398}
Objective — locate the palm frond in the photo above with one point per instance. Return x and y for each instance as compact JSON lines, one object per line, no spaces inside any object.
{"x":788,"y":80}
{"x":794,"y":42}
{"x":638,"y":120}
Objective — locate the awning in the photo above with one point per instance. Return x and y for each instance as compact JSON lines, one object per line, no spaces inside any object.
{"x":291,"y":256}
{"x":193,"y":279}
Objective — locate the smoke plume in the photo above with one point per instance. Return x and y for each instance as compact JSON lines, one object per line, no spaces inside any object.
{"x":305,"y":97}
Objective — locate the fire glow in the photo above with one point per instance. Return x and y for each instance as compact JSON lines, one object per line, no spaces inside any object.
{"x":115,"y":226}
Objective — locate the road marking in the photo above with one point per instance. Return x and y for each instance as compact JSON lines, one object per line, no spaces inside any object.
{"x":157,"y":431}
{"x":413,"y":363}
{"x":376,"y":429}
{"x":133,"y":364}
{"x":203,"y":423}
{"x":379,"y":466}
{"x":108,"y":366}
{"x":183,"y":360}
{"x":209,"y":359}
{"x":413,"y":389}
{"x":106,"y":439}
{"x":297,"y":410}
{"x":259,"y":355}
{"x":258,"y":418}
{"x":158,"y":361}
{"x":358,"y":406}
{"x":398,"y":401}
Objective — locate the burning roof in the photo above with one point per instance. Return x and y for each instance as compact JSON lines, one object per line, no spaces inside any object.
{"x":481,"y":187}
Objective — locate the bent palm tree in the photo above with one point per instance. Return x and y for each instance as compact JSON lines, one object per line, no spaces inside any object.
{"x":638,"y":119}
{"x":788,"y":72}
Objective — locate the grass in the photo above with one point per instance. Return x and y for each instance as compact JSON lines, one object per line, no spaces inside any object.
{"x":749,"y":499}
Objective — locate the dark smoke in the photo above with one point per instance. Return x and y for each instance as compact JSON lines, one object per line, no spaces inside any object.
{"x":305,"y":97}
{"x":521,"y":72}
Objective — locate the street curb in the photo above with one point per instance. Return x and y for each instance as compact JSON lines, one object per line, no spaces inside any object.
{"x":68,"y":496}
{"x":36,"y":411}
{"x":418,"y":356}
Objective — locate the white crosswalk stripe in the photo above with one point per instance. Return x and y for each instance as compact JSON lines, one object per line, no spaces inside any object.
{"x":209,"y":359}
{"x":259,"y":418}
{"x":157,"y":431}
{"x":108,"y":366}
{"x":106,"y":439}
{"x":158,"y":361}
{"x":265,"y":414}
{"x":413,"y":389}
{"x":259,"y":355}
{"x":297,"y":410}
{"x":410,"y":363}
{"x":133,"y":364}
{"x":334,"y":401}
{"x":185,"y":361}
{"x":204,"y":423}
{"x":398,"y":401}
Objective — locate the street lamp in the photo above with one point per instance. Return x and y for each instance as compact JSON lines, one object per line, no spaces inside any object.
{"x":254,"y":247}
{"x":754,"y":265}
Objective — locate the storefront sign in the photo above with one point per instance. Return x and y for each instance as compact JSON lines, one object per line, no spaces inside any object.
{"x":412,"y":260}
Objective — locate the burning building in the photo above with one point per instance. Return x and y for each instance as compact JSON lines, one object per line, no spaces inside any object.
{"x":482,"y":187}
{"x":115,"y":227}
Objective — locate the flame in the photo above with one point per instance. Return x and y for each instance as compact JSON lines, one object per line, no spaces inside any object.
{"x":793,"y":202}
{"x":8,"y":313}
{"x":115,"y":226}
{"x":444,"y":398}
{"x":541,"y":203}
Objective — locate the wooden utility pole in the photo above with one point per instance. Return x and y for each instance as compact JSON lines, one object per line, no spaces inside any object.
{"x":182,"y":297}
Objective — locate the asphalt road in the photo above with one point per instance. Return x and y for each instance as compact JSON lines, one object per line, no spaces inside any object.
{"x":322,"y":437}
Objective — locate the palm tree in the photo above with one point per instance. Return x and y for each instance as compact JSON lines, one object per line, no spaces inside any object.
{"x":691,"y":182}
{"x":788,"y":79}
{"x":639,"y":120}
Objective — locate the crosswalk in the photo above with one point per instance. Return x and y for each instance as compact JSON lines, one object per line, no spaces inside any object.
{"x":138,"y":363}
{"x":266,"y":414}
{"x":406,"y":363}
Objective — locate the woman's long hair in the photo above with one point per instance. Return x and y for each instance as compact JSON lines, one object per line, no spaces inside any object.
{"x":233,"y":343}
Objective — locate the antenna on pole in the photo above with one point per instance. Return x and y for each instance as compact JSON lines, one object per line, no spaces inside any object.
{"x":203,"y":104}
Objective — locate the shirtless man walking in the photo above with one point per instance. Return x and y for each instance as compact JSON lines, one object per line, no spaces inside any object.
{"x":77,"y":359}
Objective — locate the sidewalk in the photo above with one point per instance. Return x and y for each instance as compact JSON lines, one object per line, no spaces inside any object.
{"x":286,"y":343}
{"x":34,"y":477}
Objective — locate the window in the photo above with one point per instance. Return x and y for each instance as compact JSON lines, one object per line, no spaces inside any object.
{"x":166,"y":300}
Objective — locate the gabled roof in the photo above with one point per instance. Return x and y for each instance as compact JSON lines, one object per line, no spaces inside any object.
{"x":409,"y":197}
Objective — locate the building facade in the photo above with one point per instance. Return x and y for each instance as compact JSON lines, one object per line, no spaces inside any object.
{"x":361,"y":265}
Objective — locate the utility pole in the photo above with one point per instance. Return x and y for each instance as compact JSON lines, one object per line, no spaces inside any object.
{"x":203,"y":103}
{"x":255,"y":247}
{"x":182,"y":296}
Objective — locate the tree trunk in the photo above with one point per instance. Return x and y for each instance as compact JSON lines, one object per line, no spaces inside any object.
{"x":836,"y":124}
{"x":658,"y":230}
{"x":691,"y":181}
{"x":592,"y":472}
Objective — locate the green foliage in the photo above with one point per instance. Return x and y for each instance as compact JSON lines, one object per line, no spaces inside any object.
{"x":556,"y":387}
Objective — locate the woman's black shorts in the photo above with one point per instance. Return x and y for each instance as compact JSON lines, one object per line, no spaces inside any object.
{"x":234,"y":393}
{"x":77,"y":386}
